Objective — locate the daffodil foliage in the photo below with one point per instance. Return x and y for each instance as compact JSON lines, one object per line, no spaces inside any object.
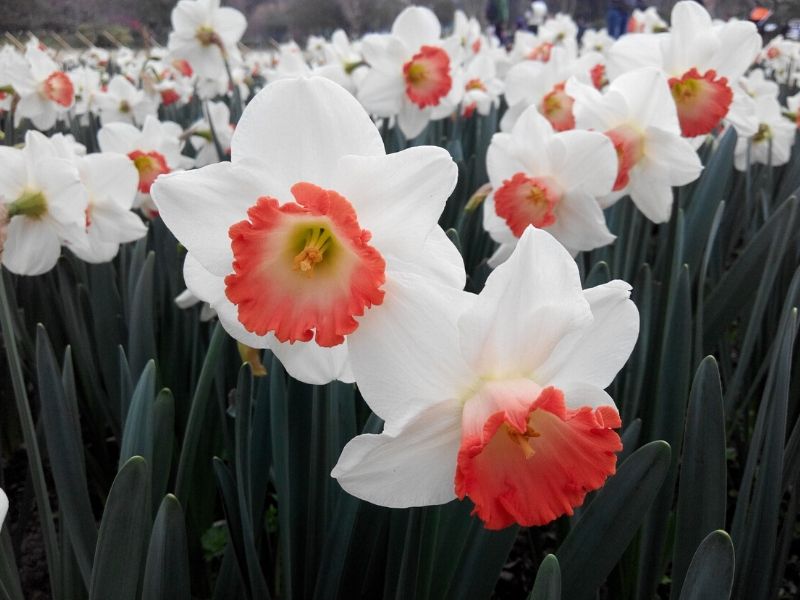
{"x":424,"y":313}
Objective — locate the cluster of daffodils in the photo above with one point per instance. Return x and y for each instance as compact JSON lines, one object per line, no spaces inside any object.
{"x":305,"y":237}
{"x":54,"y":194}
{"x":323,"y":248}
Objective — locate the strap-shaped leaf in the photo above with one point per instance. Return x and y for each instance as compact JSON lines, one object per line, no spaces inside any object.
{"x":702,"y":491}
{"x":604,"y":531}
{"x":124,"y":529}
{"x":65,"y":449}
{"x":166,"y":572}
{"x":138,"y":428}
{"x":141,"y":333}
{"x":548,"y":580}
{"x":710,"y":574}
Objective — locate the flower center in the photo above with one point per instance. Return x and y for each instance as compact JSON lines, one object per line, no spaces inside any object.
{"x":207,"y":36}
{"x":303,"y":270}
{"x":541,"y":52}
{"x":524,"y":201}
{"x":427,"y":76}
{"x":31,"y":204}
{"x":124,"y":107}
{"x":317,"y":241}
{"x":475,"y":84}
{"x":150,"y":165}
{"x":523,"y":439}
{"x":556,"y":106}
{"x":702,"y":101}
{"x":764,"y":134}
{"x":629,"y":145}
{"x":58,"y":88}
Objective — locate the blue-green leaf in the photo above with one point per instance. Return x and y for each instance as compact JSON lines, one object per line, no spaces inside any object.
{"x":605,"y":529}
{"x":65,"y":449}
{"x":702,"y":492}
{"x":124,"y":529}
{"x":548,"y":580}
{"x":710,"y":574}
{"x":166,"y":572}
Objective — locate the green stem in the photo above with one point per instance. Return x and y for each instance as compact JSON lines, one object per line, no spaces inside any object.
{"x":220,"y":152}
{"x":194,"y":425}
{"x":31,"y":443}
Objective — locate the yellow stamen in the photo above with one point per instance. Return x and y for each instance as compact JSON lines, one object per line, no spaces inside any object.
{"x":417,"y":73}
{"x":318,"y":240}
{"x":523,"y":440}
{"x":207,"y":36}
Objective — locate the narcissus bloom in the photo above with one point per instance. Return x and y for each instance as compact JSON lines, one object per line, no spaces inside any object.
{"x":596,"y":41}
{"x":301,"y":238}
{"x":45,"y":91}
{"x":541,"y":84}
{"x":86,"y":81}
{"x":548,"y":180}
{"x":467,"y":33}
{"x":110,"y":181}
{"x":205,"y":35}
{"x":343,"y":62}
{"x":473,"y":409}
{"x":413,"y":74}
{"x":646,"y":21}
{"x":703,"y":63}
{"x":772,"y":143}
{"x":638,"y":114}
{"x":45,"y":202}
{"x":123,"y":102}
{"x":154,"y":150}
{"x":482,"y":88}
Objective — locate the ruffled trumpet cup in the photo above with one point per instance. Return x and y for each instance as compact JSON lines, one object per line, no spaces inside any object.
{"x":304,"y":270}
{"x":299,"y":240}
{"x":497,"y":397}
{"x":526,"y":458}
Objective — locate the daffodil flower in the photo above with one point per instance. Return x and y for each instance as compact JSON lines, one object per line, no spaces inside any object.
{"x":205,"y":35}
{"x":45,"y":202}
{"x":413,"y":74}
{"x":497,"y":397}
{"x":311,"y":230}
{"x":548,"y":180}
{"x":639,"y":116}
{"x":703,"y":63}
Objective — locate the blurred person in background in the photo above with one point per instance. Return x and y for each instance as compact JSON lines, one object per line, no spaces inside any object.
{"x":497,"y":15}
{"x":617,"y":16}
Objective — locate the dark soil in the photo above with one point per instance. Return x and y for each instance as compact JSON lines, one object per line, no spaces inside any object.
{"x":25,"y":529}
